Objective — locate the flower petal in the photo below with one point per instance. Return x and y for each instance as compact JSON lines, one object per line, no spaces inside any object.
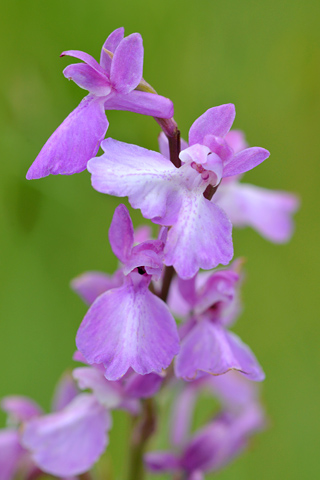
{"x":121,"y":234}
{"x":65,"y":391}
{"x":161,"y":461}
{"x":215,"y":121}
{"x":129,"y":327}
{"x":80,"y":430}
{"x":245,"y":160}
{"x":143,"y":386}
{"x":73,"y":143}
{"x":11,"y":453}
{"x":86,"y":58}
{"x":237,"y":141}
{"x":201,"y":238}
{"x":88,"y":78}
{"x":208,"y":348}
{"x":90,"y":285}
{"x":267,"y":211}
{"x":141,"y":102}
{"x":110,"y":44}
{"x":20,"y":408}
{"x":127,"y":64}
{"x":142,"y":175}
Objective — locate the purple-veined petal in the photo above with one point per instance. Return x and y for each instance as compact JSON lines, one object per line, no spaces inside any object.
{"x":11,"y":453}
{"x":267,"y":211}
{"x":143,"y":386}
{"x":201,"y":238}
{"x":245,"y":160}
{"x":121,"y":234}
{"x":161,"y":462}
{"x":71,"y":441}
{"x":90,"y":285}
{"x":64,"y":393}
{"x":142,"y":175}
{"x":20,"y":408}
{"x":208,"y":348}
{"x":215,"y":121}
{"x":129,"y":327}
{"x":141,"y":102}
{"x":74,"y":142}
{"x":237,"y":141}
{"x":110,"y":44}
{"x":127,"y":64}
{"x":88,"y":78}
{"x":86,"y":58}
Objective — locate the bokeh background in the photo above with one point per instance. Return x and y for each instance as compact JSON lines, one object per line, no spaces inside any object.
{"x":262,"y":56}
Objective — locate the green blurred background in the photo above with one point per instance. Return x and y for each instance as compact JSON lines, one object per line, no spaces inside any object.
{"x":262,"y":56}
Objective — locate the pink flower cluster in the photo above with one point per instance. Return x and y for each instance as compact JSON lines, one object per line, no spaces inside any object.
{"x":162,"y":320}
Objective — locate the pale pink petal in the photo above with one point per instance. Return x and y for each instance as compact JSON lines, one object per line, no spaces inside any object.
{"x":11,"y":453}
{"x":127,"y":64}
{"x":110,"y":44}
{"x":90,"y":285}
{"x":71,"y":441}
{"x":141,"y":102}
{"x":74,"y":142}
{"x":129,"y":327}
{"x":64,"y":393}
{"x":245,"y":160}
{"x":215,"y":121}
{"x":121,"y":233}
{"x":142,"y":175}
{"x":201,"y":238}
{"x":237,"y":141}
{"x":88,"y":78}
{"x":20,"y":408}
{"x":109,"y":394}
{"x":267,"y":211}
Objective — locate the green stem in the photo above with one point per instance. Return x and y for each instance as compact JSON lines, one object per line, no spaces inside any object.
{"x":143,"y":427}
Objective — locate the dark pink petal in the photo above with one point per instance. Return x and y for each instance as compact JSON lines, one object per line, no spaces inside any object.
{"x":141,"y":102}
{"x":127,"y":64}
{"x":142,"y":175}
{"x":267,"y":211}
{"x":148,"y":254}
{"x":143,"y":386}
{"x":88,"y":78}
{"x":237,"y":141}
{"x":161,"y":462}
{"x":20,"y":408}
{"x":215,"y":121}
{"x":129,"y":327}
{"x":86,"y":58}
{"x":245,"y":160}
{"x":64,"y":393}
{"x":208,"y":348}
{"x":121,"y":233}
{"x":73,"y":143}
{"x":71,"y":441}
{"x":201,"y":237}
{"x":90,"y":285}
{"x":219,"y":146}
{"x":11,"y":453}
{"x":110,"y":44}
